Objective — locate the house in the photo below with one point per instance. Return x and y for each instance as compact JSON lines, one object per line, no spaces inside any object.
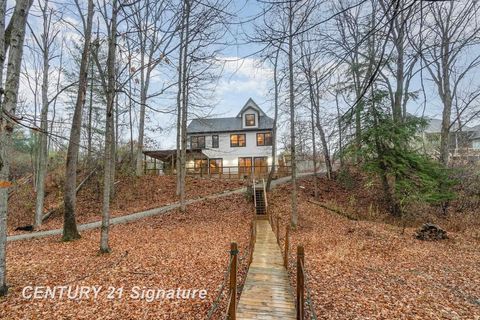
{"x":230,"y":147}
{"x":463,"y":143}
{"x":236,"y":145}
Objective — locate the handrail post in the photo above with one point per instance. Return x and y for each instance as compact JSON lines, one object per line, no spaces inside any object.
{"x":300,"y":283}
{"x":233,"y":282}
{"x":252,"y":242}
{"x":285,"y":259}
{"x":278,"y":229}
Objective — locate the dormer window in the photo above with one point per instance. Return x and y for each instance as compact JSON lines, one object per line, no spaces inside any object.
{"x":249,"y":120}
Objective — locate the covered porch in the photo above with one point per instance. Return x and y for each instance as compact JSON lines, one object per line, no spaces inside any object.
{"x":163,"y":162}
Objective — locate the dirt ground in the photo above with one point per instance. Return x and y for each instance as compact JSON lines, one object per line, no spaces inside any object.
{"x":175,"y":250}
{"x":375,"y":270}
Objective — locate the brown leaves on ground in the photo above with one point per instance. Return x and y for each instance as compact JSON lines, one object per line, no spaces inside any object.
{"x":132,"y":194}
{"x":371,"y":270}
{"x":176,"y":250}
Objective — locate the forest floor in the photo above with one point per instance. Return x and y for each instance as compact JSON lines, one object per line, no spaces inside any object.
{"x":132,"y":194}
{"x":361,"y":262}
{"x":369,"y":267}
{"x":174,"y":250}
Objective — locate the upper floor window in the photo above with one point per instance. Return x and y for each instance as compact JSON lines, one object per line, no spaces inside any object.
{"x":197,"y":142}
{"x":215,"y":141}
{"x":238,"y":140}
{"x":249,"y":120}
{"x":264,"y":139}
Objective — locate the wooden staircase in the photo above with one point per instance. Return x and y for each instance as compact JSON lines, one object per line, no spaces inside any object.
{"x":260,"y":198}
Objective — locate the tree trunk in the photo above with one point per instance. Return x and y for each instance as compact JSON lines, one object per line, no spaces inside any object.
{"x":141,"y":121}
{"x":90,"y":113}
{"x":323,"y":139}
{"x":315,"y":180}
{"x":294,"y":212}
{"x":109,"y":131}
{"x":70,"y":231}
{"x":7,"y":108}
{"x":43,"y":148}
{"x":274,"y":129}
{"x":185,"y":84}
{"x":339,"y":123}
{"x":179,"y":104}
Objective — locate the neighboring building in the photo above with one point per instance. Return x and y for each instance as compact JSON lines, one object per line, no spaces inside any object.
{"x":463,"y":144}
{"x":241,"y":144}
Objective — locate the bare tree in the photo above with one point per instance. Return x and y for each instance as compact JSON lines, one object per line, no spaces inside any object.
{"x":276,"y":89}
{"x":450,"y":31}
{"x":109,"y":79}
{"x":12,"y":40}
{"x":203,"y":24}
{"x":70,"y":231}
{"x":154,"y":29}
{"x":46,"y":45}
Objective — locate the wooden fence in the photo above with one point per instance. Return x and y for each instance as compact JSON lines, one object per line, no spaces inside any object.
{"x":232,"y":275}
{"x":301,"y":274}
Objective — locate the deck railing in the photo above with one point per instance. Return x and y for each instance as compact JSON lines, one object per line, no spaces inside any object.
{"x":227,"y":172}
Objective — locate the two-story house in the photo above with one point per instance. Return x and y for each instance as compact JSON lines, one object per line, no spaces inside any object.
{"x":236,"y":145}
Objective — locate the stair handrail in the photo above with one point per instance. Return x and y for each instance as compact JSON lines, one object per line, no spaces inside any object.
{"x":265,"y":196}
{"x":254,"y":194}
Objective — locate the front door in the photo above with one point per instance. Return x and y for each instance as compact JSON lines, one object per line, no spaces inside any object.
{"x":261,"y":166}
{"x":245,"y":166}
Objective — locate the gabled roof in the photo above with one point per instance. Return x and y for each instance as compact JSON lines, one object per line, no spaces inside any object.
{"x":251,"y":104}
{"x":231,"y":124}
{"x":226,"y":125}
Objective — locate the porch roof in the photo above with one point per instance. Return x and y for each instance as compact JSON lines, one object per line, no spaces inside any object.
{"x":169,"y":155}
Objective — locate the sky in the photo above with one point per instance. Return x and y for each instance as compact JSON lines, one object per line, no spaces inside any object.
{"x":243,"y":76}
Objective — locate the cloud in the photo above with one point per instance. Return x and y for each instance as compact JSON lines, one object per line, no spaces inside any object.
{"x":244,"y":76}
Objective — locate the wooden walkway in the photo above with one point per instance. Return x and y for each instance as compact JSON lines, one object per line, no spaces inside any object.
{"x":267,"y":293}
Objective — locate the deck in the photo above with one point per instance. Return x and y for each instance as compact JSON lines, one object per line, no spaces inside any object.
{"x":267,"y":293}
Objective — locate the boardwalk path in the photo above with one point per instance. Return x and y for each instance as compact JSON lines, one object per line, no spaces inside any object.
{"x":267,"y":293}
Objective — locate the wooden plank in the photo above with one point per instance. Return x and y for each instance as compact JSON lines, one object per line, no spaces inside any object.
{"x":267,"y":293}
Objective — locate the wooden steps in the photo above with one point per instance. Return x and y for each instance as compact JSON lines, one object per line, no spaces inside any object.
{"x":267,"y":293}
{"x":260,"y":205}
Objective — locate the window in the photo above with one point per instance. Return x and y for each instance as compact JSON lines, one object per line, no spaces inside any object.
{"x":215,"y":141}
{"x":244,"y":165}
{"x":238,"y":140}
{"x":249,"y":120}
{"x":197,"y":142}
{"x":200,"y":166}
{"x":216,"y":165}
{"x":264,"y":139}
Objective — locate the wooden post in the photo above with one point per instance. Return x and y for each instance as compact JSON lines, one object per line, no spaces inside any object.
{"x":278,"y":229}
{"x":285,"y":259}
{"x":300,"y":283}
{"x":233,"y":282}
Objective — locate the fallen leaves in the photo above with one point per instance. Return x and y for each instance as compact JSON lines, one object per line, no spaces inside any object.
{"x":370,"y":270}
{"x":132,"y":194}
{"x":176,"y":250}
